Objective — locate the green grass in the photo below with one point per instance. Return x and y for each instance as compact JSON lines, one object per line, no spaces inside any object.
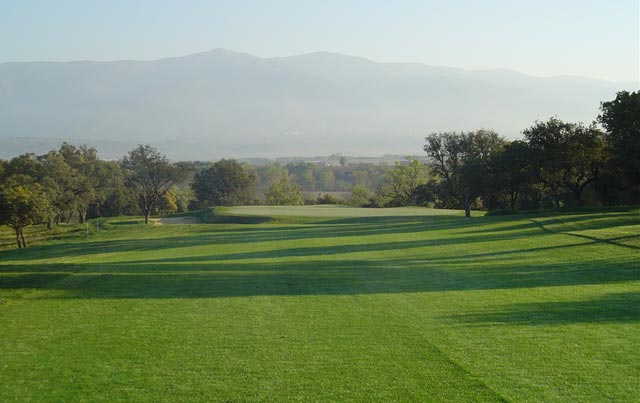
{"x":331,"y":304}
{"x":309,"y":214}
{"x":337,"y":211}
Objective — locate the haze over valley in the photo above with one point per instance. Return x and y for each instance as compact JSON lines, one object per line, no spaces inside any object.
{"x":222,"y":103}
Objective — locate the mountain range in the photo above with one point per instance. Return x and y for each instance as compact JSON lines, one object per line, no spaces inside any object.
{"x":228,"y":104}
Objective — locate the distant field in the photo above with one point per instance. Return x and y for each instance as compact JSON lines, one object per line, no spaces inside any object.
{"x":362,"y":305}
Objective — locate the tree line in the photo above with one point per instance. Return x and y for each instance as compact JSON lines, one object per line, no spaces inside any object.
{"x":555,"y":164}
{"x":72,"y":184}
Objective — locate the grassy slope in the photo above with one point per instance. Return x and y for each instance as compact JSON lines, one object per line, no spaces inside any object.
{"x":360,"y":308}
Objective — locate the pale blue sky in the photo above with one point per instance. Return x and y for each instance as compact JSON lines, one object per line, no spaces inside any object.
{"x":592,"y":38}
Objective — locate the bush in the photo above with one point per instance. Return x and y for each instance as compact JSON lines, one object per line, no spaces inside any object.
{"x":283,"y":193}
{"x":327,"y":198}
{"x":360,"y":196}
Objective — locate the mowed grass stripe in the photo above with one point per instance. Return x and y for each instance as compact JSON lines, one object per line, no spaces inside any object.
{"x":336,"y":352}
{"x":379,"y":309}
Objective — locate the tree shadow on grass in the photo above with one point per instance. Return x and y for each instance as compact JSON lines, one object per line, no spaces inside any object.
{"x":609,"y":308}
{"x":574,"y":222}
{"x":221,"y":236}
{"x":306,"y":277}
{"x":494,"y":256}
{"x":312,"y":251}
{"x":316,"y":270}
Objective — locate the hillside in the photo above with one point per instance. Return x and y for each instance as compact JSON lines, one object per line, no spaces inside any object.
{"x":223,"y":103}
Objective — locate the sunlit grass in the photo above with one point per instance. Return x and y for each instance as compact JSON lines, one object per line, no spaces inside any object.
{"x":339,"y":211}
{"x":357,"y":306}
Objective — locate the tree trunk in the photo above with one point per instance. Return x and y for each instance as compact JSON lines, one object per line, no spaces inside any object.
{"x":82,"y":215}
{"x":24,"y":243}
{"x":513,"y":197}
{"x":466,"y":204}
{"x":18,"y":238}
{"x":577,"y":193}
{"x":147,"y":213}
{"x":467,"y":207}
{"x":50,"y":223}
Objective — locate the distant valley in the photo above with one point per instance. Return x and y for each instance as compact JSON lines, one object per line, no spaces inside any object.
{"x":227,"y":104}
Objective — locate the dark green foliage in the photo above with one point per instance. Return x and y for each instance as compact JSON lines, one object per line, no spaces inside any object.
{"x":621,"y":119}
{"x":464,"y":162}
{"x":566,"y":156}
{"x":225,"y":183}
{"x":512,"y":174}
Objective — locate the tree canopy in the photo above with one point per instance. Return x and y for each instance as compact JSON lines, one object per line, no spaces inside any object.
{"x":152,"y":175}
{"x":566,"y":155}
{"x":463,"y":162}
{"x":401,"y":183}
{"x":22,"y":203}
{"x":225,"y":183}
{"x":283,"y":193}
{"x":621,"y":119}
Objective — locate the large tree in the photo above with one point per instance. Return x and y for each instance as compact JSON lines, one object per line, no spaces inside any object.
{"x":152,"y":175}
{"x":59,"y":180}
{"x":225,"y":183}
{"x":81,"y":159}
{"x":22,"y":203}
{"x":512,"y":173}
{"x":567,"y":156}
{"x":463,"y":162}
{"x":621,"y":119}
{"x":95,"y":179}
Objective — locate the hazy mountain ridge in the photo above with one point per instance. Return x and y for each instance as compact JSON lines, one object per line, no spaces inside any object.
{"x":223,"y":103}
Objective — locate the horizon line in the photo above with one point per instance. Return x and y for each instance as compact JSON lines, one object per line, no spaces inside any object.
{"x":486,"y":70}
